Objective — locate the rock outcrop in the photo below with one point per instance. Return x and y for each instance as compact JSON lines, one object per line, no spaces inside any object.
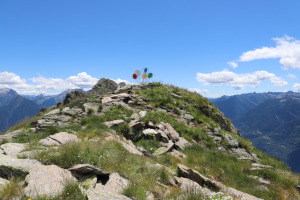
{"x":103,"y":86}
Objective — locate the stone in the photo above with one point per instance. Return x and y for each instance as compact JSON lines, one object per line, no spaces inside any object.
{"x":149,"y":132}
{"x":193,"y":175}
{"x":182,"y":143}
{"x":91,"y":105}
{"x":46,"y":180}
{"x":257,"y":166}
{"x":103,"y":86}
{"x":12,"y":166}
{"x":12,"y":149}
{"x":127,"y":144}
{"x":109,"y":124}
{"x":122,"y":84}
{"x":163,"y":150}
{"x":106,"y":100}
{"x":150,"y":196}
{"x":53,"y":112}
{"x":136,"y":126}
{"x":240,"y":195}
{"x":82,"y":170}
{"x":74,"y":95}
{"x":116,"y":184}
{"x":241,"y":154}
{"x":143,"y":113}
{"x":189,"y":185}
{"x":188,"y":117}
{"x":135,"y":116}
{"x":11,"y":135}
{"x":3,"y":182}
{"x":162,"y":136}
{"x":231,"y":140}
{"x":177,"y":154}
{"x":260,"y":180}
{"x":59,"y":139}
{"x":98,"y":194}
{"x":173,"y":135}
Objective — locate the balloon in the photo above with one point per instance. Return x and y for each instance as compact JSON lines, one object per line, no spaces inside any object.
{"x":145,"y":70}
{"x":138,"y":72}
{"x":134,"y":76}
{"x":150,"y":75}
{"x":144,"y":76}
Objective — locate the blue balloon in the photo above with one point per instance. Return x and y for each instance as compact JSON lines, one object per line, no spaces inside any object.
{"x":145,"y":70}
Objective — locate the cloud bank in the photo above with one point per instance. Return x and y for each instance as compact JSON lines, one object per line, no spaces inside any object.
{"x":239,"y":81}
{"x":287,"y":49}
{"x":43,"y":85}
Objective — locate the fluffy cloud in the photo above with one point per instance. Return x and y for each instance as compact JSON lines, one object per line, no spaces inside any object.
{"x":287,"y":49}
{"x":296,"y":86}
{"x":43,"y":85}
{"x":232,"y":64}
{"x":239,"y":81}
{"x":292,"y":76}
{"x":10,"y":79}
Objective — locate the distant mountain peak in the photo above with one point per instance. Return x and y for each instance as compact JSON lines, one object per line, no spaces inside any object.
{"x":7,"y":91}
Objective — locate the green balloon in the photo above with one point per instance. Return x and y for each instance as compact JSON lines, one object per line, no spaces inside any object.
{"x":150,"y":75}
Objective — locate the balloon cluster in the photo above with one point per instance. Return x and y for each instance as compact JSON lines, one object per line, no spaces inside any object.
{"x":146,"y":74}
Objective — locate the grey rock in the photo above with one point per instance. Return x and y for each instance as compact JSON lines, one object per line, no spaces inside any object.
{"x":135,"y":116}
{"x":260,"y":180}
{"x":240,"y":195}
{"x":53,"y":112}
{"x":74,"y":95}
{"x":162,"y":136}
{"x":107,"y":100}
{"x":3,"y":182}
{"x":12,"y":166}
{"x":182,"y":143}
{"x":127,"y":144}
{"x":143,"y":113}
{"x":241,"y":154}
{"x":197,"y":177}
{"x":72,"y":111}
{"x":189,"y":185}
{"x":103,"y":86}
{"x":91,"y":105}
{"x":46,"y":180}
{"x":177,"y":154}
{"x":231,"y":140}
{"x":173,"y":135}
{"x":122,"y":84}
{"x":11,"y":135}
{"x":82,"y":170}
{"x":59,"y":139}
{"x":136,"y":126}
{"x":188,"y":117}
{"x":257,"y":166}
{"x":149,"y":132}
{"x":12,"y":149}
{"x":163,"y":150}
{"x":116,"y":184}
{"x":150,"y":196}
{"x":114,"y":123}
{"x":99,"y":194}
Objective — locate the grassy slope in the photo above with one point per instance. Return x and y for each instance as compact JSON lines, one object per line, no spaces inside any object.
{"x":204,"y":158}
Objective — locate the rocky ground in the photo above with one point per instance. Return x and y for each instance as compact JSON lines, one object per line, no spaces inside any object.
{"x":157,"y":136}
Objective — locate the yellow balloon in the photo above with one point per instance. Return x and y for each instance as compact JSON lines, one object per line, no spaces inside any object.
{"x":144,"y":76}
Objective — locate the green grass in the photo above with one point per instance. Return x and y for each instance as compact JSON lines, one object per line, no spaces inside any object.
{"x":149,"y":144}
{"x":12,"y":189}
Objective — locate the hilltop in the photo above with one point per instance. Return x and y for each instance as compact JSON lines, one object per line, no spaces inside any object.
{"x":146,"y":141}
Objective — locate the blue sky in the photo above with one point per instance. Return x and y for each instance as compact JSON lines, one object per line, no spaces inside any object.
{"x":48,"y":46}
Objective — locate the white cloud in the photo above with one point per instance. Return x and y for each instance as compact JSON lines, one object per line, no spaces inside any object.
{"x":197,"y":90}
{"x":43,"y":85}
{"x":10,"y":79}
{"x":239,"y":81}
{"x":287,"y":49}
{"x":296,"y":86}
{"x":232,"y":64}
{"x":120,"y":81}
{"x":292,"y":76}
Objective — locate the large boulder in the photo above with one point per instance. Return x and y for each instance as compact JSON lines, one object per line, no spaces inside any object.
{"x":74,"y":95}
{"x":47,"y":180}
{"x":103,"y":86}
{"x":59,"y":139}
{"x":172,"y":133}
{"x":12,"y":149}
{"x":116,"y":184}
{"x":98,"y":194}
{"x":13,"y":167}
{"x":82,"y":170}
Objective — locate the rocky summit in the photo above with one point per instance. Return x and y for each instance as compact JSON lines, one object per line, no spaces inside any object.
{"x":146,"y":141}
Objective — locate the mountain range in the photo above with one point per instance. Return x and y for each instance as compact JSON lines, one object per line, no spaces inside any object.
{"x":14,"y":108}
{"x":270,"y":120}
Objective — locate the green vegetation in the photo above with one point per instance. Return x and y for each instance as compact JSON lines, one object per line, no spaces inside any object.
{"x":12,"y":189}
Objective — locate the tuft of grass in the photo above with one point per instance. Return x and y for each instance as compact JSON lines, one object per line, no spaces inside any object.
{"x":90,"y":111}
{"x":11,"y":190}
{"x":149,"y":144}
{"x":123,"y":129}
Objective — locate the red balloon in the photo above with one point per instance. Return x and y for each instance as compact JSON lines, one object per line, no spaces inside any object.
{"x":134,"y":76}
